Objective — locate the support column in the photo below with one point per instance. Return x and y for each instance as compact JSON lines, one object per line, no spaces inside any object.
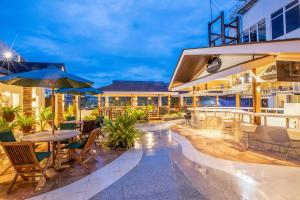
{"x":169,"y":103}
{"x":237,"y":100}
{"x":99,"y":104}
{"x":256,"y":98}
{"x":74,"y":104}
{"x":217,"y":101}
{"x":181,"y":101}
{"x":106,"y":101}
{"x":59,"y":108}
{"x":159,"y":105}
{"x":27,"y":101}
{"x":199,"y":101}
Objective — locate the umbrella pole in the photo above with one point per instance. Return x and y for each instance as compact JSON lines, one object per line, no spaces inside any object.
{"x":79,"y":105}
{"x":53,"y":109}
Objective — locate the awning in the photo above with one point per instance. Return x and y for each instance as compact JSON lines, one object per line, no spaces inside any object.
{"x":192,"y":67}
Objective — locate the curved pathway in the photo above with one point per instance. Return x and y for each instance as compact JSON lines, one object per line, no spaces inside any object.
{"x":168,"y":167}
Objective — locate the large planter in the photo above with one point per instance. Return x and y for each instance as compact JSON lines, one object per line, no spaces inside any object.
{"x":26,"y":129}
{"x":9,"y":117}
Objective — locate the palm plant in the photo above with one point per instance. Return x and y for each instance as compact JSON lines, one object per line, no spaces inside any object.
{"x":121,"y":132}
{"x":10,"y":113}
{"x":4,"y":125}
{"x":26,"y":123}
{"x":45,"y":117}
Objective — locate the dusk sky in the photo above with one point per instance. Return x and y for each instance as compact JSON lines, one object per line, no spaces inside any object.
{"x":108,"y":40}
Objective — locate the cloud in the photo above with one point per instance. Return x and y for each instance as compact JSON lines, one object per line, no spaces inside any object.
{"x":105,"y":40}
{"x":139,"y":73}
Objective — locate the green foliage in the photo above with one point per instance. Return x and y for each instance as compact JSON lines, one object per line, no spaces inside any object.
{"x":4,"y":125}
{"x":90,"y":117}
{"x":25,"y":121}
{"x":9,"y":113}
{"x":70,"y":111}
{"x":121,"y":132}
{"x":141,"y":114}
{"x":45,"y":117}
{"x":9,"y":110}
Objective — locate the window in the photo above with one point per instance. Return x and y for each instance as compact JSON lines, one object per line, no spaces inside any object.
{"x":262,"y":31}
{"x":292,"y":16}
{"x":277,"y":24}
{"x":246,"y":37}
{"x":253,"y":34}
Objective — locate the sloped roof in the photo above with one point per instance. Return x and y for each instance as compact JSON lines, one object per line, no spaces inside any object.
{"x":135,"y":86}
{"x":14,"y":67}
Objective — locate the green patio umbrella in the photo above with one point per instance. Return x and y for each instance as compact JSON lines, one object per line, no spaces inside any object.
{"x":79,"y":91}
{"x":50,"y":77}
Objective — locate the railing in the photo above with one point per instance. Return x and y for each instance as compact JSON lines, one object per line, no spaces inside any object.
{"x":267,"y":118}
{"x":155,"y":112}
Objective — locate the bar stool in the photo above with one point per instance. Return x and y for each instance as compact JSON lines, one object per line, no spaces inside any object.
{"x":248,"y":129}
{"x":201,"y":119}
{"x":228,"y":126}
{"x":294,"y":136}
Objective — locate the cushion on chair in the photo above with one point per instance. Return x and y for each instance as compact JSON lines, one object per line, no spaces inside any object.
{"x":75,"y":145}
{"x":71,"y":118}
{"x":67,"y":126}
{"x":42,"y":155}
{"x":7,"y":136}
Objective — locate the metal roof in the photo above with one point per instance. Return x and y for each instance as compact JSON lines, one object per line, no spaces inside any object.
{"x":13,"y":67}
{"x":136,"y":86}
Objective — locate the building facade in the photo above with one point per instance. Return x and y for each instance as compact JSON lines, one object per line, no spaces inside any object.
{"x":263,"y":20}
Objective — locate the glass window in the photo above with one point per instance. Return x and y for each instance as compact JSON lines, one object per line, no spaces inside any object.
{"x":245,"y":37}
{"x":277,"y":24}
{"x":262,"y":31}
{"x":292,"y":17}
{"x":253,"y":34}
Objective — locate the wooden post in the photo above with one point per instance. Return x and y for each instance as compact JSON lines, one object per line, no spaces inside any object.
{"x":27,"y":101}
{"x":217,"y":101}
{"x":169,"y":103}
{"x":256,"y":98}
{"x":60,"y":108}
{"x":99,"y":104}
{"x":237,"y":100}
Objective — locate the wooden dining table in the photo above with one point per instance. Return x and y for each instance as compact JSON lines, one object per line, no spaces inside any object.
{"x":56,"y":139}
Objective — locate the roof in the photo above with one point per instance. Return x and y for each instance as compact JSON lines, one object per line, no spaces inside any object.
{"x":191,"y":66}
{"x":135,"y":86}
{"x":14,"y":67}
{"x":246,"y":6}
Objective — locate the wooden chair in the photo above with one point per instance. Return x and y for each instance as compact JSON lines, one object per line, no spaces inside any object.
{"x":82,"y":152}
{"x":26,"y":162}
{"x":6,"y":136}
{"x":87,"y":128}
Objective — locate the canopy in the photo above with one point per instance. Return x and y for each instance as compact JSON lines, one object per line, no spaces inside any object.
{"x":50,"y":77}
{"x":47,"y":77}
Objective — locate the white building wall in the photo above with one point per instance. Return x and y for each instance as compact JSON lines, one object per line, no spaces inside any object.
{"x":263,"y":10}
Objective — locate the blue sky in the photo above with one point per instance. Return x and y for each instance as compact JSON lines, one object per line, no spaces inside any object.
{"x":105,"y":40}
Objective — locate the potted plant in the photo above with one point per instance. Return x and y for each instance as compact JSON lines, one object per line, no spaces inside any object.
{"x":69,"y":114}
{"x":26,"y":123}
{"x":45,"y":117}
{"x":10,"y":113}
{"x":121,"y":134}
{"x":4,"y":125}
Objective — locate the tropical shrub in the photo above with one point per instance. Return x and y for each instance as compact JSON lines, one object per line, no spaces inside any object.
{"x":4,"y":125}
{"x":25,"y":123}
{"x":10,"y":113}
{"x":45,"y":117}
{"x":70,"y":111}
{"x":121,"y":133}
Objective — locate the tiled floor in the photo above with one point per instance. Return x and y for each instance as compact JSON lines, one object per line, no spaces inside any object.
{"x":210,"y":142}
{"x":23,"y":189}
{"x":155,"y":177}
{"x":167,"y":166}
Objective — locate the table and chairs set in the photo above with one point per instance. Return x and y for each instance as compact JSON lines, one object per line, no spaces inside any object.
{"x":22,"y":154}
{"x":65,"y":144}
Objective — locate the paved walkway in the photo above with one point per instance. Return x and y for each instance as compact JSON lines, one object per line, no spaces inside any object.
{"x":155,"y":177}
